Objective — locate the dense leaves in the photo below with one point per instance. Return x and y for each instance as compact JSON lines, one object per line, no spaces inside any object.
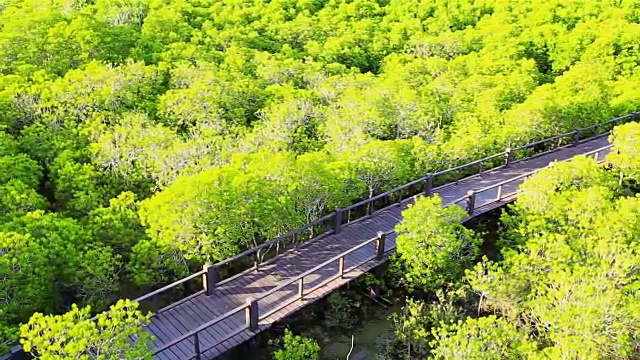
{"x":141,"y":138}
{"x":566,"y":283}
{"x":297,"y":347}
{"x":626,"y":154}
{"x":573,"y":270}
{"x":21,"y":168}
{"x":433,"y":244}
{"x":118,"y":334}
{"x":27,"y":284}
{"x":484,"y":338}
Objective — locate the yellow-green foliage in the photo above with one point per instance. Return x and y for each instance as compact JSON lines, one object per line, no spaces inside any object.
{"x":219,"y":114}
{"x":433,"y":244}
{"x":115,"y":334}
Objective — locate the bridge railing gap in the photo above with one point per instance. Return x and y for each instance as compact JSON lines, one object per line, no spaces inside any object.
{"x":260,"y":256}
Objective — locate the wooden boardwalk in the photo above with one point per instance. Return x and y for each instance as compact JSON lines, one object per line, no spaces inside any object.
{"x":232,"y":296}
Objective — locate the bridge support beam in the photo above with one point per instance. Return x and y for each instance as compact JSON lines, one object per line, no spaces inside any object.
{"x":209,"y":279}
{"x":196,"y":346}
{"x":376,"y":290}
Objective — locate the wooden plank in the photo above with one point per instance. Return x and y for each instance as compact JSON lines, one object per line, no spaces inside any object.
{"x":159,"y":331}
{"x":186,"y":319}
{"x":396,"y":213}
{"x":180,"y":350}
{"x":206,"y":336}
{"x":167,"y":355}
{"x":357,"y":228}
{"x":171,"y":331}
{"x":212,"y":315}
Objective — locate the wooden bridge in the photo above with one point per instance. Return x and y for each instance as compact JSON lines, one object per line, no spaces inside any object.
{"x":246,"y":294}
{"x":295,"y":269}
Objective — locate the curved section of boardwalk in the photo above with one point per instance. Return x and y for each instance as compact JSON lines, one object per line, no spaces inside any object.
{"x":232,"y":296}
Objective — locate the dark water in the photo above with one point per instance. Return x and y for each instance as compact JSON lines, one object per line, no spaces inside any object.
{"x":371,"y":321}
{"x":365,"y":338}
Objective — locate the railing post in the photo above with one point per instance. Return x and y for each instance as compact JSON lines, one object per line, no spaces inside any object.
{"x":209,"y":279}
{"x":155,"y":303}
{"x":256,"y":260}
{"x":428,"y":185}
{"x":575,"y":137}
{"x":341,"y":267}
{"x":380,"y":245}
{"x":301,"y":288}
{"x":508,"y":157}
{"x":499,"y":195}
{"x":252,"y":315}
{"x":196,"y":345}
{"x":337,"y":223}
{"x":595,"y":156}
{"x":471,"y":202}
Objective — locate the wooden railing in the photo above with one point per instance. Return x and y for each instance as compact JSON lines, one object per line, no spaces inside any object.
{"x":470,"y":205}
{"x":296,"y":285}
{"x":333,"y":222}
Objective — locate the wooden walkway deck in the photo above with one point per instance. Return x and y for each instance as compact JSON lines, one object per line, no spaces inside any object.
{"x":228,"y":333}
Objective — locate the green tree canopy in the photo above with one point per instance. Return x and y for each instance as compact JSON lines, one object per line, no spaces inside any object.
{"x":218,"y":115}
{"x":117,"y":334}
{"x":625,"y":154}
{"x":297,"y":348}
{"x":569,"y":272}
{"x":488,"y":338}
{"x":433,"y":243}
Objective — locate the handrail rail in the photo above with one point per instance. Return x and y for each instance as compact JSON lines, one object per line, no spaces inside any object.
{"x":525,"y":175}
{"x":382,"y":195}
{"x":317,"y":267}
{"x":417,"y":181}
{"x":289,"y":282}
{"x":200,"y":328}
{"x":538,"y":170}
{"x":337,"y":217}
{"x":559,"y":136}
{"x":168,"y":287}
{"x":274,"y":240}
{"x":256,"y":317}
{"x":475,"y":162}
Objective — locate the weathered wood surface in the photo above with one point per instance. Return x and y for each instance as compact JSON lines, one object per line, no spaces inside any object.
{"x":179,"y":320}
